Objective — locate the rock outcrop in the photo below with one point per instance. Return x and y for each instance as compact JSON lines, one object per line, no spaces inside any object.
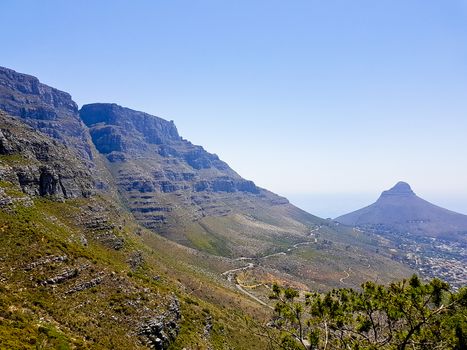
{"x":39,"y":165}
{"x":118,"y":129}
{"x":122,"y":133}
{"x":162,"y":330}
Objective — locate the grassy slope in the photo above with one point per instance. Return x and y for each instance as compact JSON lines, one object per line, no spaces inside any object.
{"x":234,"y":225}
{"x":107,"y":315}
{"x":219,"y":223}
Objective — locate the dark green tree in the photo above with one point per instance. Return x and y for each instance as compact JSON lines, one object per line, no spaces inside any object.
{"x":405,"y":315}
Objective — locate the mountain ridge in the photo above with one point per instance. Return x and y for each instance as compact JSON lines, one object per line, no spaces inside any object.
{"x":174,"y":187}
{"x":190,"y":196}
{"x":171,"y":186}
{"x":45,"y":108}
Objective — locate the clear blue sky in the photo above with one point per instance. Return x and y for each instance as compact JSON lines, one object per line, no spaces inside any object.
{"x":310,"y":99}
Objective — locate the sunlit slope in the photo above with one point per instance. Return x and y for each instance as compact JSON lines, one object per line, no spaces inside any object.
{"x":77,"y":271}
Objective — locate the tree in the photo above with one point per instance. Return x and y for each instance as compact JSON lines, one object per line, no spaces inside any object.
{"x":408,"y":314}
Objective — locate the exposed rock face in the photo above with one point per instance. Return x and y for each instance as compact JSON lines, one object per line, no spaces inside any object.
{"x":120,"y":133}
{"x":170,"y":185}
{"x":161,"y":331}
{"x":158,"y":170}
{"x":118,"y":129}
{"x":45,"y":261}
{"x":400,"y":209}
{"x":86,"y":285}
{"x":39,"y":165}
{"x":124,"y":134}
{"x":49,"y":110}
{"x":62,"y":277}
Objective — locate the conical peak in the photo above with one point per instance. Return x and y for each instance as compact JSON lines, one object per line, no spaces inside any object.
{"x":401,"y":188}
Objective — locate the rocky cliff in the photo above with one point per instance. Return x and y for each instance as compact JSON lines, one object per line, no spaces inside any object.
{"x":116,"y":130}
{"x":175,"y":187}
{"x":39,"y":165}
{"x":46,"y":109}
{"x":122,"y":134}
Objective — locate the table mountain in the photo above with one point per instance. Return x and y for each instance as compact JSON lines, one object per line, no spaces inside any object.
{"x":184,"y":192}
{"x":400,"y":209}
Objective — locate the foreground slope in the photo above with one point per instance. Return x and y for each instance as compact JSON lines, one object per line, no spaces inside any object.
{"x":400,"y":209}
{"x":77,"y":272}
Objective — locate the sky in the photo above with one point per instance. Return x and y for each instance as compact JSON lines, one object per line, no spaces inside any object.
{"x":325,"y":102}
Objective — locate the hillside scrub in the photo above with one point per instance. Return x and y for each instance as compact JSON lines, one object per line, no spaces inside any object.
{"x":408,"y":314}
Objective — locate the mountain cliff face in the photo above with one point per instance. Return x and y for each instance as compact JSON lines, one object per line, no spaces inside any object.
{"x":177,"y":188}
{"x":400,"y":209}
{"x":117,"y":131}
{"x":46,"y":109}
{"x":39,"y":165}
{"x":122,"y":134}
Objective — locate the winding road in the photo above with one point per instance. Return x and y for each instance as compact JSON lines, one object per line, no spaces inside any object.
{"x":231,"y":275}
{"x":345,"y":277}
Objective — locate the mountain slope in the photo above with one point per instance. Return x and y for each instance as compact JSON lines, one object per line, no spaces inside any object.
{"x":400,"y":209}
{"x":75,"y":275}
{"x":189,"y":195}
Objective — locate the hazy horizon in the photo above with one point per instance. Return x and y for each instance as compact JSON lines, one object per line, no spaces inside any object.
{"x":332,"y":205}
{"x":302,"y":97}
